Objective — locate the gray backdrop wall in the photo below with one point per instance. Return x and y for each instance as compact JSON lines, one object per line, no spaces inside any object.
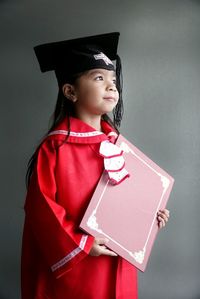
{"x":160,"y":50}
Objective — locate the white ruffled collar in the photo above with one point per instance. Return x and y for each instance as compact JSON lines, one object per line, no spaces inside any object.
{"x":114,"y":163}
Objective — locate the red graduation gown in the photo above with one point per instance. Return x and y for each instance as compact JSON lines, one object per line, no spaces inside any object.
{"x":55,"y":259}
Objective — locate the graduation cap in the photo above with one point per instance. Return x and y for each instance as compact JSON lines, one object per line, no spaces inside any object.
{"x":71,"y":57}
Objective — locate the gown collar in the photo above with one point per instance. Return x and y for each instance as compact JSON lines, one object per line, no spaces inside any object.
{"x":82,"y":133}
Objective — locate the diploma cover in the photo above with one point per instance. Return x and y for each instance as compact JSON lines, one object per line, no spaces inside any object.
{"x":126,"y":213}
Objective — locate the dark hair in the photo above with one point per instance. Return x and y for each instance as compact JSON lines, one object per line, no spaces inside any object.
{"x":64,"y":109}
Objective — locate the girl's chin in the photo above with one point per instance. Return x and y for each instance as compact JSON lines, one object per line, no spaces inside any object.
{"x":109,"y":107}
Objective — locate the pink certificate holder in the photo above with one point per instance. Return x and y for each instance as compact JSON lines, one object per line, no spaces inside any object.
{"x":126,"y":213}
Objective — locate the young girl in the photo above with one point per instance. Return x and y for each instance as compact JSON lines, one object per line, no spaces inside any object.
{"x":59,"y":261}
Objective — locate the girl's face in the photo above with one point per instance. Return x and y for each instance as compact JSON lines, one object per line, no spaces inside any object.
{"x":95,"y":92}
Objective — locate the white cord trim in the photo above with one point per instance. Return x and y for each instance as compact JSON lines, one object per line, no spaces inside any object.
{"x":76,"y":134}
{"x":71,"y":255}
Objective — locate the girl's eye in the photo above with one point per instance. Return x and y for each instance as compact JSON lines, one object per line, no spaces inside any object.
{"x":99,"y":78}
{"x":115,"y":81}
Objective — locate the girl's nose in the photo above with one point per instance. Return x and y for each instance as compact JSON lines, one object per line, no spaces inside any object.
{"x":112,"y":86}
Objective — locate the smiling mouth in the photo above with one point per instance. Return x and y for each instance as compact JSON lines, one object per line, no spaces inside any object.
{"x":111,"y":99}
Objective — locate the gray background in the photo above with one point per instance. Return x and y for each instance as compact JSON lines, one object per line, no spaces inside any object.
{"x":160,"y":50}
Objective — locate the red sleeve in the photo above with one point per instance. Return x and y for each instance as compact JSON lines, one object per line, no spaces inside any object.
{"x":62,"y":243}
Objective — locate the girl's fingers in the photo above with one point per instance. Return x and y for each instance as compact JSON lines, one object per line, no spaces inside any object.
{"x":163,"y":217}
{"x":166,"y":212}
{"x":99,"y":248}
{"x":101,"y":241}
{"x":106,"y":251}
{"x":161,"y":222}
{"x":102,"y":247}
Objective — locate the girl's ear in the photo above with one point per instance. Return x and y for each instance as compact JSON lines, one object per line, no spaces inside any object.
{"x":68,"y":91}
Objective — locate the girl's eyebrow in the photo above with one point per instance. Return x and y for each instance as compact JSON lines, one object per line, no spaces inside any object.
{"x":100,"y":71}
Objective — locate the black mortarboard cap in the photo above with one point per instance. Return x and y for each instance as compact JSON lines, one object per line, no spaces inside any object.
{"x":71,"y":57}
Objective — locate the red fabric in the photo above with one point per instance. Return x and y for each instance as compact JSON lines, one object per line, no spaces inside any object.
{"x":55,"y":260}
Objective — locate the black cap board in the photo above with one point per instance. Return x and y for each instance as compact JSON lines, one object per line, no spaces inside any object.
{"x":71,"y":57}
